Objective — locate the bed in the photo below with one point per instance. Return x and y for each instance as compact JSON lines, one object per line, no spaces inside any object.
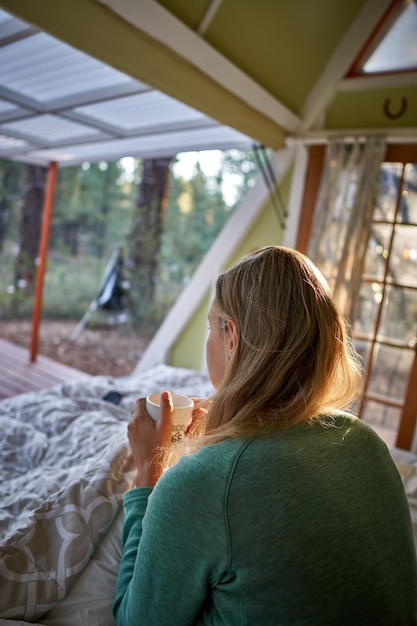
{"x":65,"y":464}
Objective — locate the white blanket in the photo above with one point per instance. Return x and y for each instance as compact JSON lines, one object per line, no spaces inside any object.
{"x":65,"y":464}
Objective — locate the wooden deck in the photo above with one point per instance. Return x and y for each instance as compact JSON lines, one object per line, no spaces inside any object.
{"x":19,"y":375}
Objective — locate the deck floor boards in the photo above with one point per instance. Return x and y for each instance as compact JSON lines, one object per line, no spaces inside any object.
{"x":19,"y":375}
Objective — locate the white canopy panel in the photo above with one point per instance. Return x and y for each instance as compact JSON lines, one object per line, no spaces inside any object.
{"x":59,"y":104}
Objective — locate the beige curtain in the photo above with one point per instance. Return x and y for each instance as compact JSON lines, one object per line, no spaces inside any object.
{"x":343,"y":215}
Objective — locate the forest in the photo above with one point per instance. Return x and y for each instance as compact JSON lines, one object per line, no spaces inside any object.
{"x":160,"y":223}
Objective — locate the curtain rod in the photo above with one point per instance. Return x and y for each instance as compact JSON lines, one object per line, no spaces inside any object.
{"x":391,"y":135}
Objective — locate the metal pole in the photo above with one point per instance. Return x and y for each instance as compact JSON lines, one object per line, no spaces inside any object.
{"x":43,"y":256}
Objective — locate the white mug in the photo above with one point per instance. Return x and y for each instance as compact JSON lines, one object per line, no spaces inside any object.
{"x":182,"y":412}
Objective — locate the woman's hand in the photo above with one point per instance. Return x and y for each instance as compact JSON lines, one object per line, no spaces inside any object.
{"x":148,"y":439}
{"x":201,"y":407}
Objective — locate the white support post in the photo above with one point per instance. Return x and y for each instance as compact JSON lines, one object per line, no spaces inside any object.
{"x":296,"y":194}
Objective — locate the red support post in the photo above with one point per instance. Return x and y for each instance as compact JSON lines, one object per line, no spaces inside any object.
{"x":43,"y":256}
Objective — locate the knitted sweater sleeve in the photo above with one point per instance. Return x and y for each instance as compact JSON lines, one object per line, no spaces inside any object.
{"x":175,"y":546}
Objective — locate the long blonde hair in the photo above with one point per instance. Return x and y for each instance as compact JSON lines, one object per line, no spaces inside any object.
{"x":294,"y":360}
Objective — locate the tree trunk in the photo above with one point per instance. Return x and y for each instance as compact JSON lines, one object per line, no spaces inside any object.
{"x":145,"y":242}
{"x":10,"y":186}
{"x":30,"y":226}
{"x":70,"y":237}
{"x":101,"y":230}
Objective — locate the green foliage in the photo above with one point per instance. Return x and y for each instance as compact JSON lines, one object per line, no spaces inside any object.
{"x":195,"y":214}
{"x":11,"y":191}
{"x":13,"y":300}
{"x":93,"y":215}
{"x":71,"y":283}
{"x":76,"y":280}
{"x":93,"y":209}
{"x":243,"y":166}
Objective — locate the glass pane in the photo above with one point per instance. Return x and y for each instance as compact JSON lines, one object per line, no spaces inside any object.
{"x":377,"y":252}
{"x":390,"y":371}
{"x":389,"y":183}
{"x":368,"y":303}
{"x":385,"y":420}
{"x":362,"y":347}
{"x":409,"y":195}
{"x":397,"y":50}
{"x":403,"y":262}
{"x":399,"y":315}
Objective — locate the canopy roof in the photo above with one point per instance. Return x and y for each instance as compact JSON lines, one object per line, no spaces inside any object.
{"x":59,"y":104}
{"x":100,"y":79}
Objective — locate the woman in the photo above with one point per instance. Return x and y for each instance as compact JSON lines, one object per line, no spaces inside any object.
{"x":284,"y":509}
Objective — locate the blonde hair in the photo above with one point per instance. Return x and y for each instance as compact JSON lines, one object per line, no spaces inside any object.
{"x":294,"y":361}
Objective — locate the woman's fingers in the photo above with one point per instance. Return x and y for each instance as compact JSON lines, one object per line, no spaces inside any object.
{"x":165,"y":422}
{"x":201,"y":406}
{"x":203,"y":402}
{"x":139,"y":416}
{"x":194,"y":428}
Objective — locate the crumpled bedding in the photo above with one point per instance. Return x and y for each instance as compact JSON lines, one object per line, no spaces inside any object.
{"x":65,"y":465}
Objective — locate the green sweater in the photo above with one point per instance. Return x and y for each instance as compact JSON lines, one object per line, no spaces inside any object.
{"x":309,"y":526}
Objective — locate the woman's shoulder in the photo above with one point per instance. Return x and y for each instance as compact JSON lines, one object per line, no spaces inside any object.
{"x":220,"y":455}
{"x":333,"y":437}
{"x":342,"y":437}
{"x":337,"y":423}
{"x":208,"y":468}
{"x":345,"y":424}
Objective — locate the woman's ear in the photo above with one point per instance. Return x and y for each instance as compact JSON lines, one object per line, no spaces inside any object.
{"x":232,"y":338}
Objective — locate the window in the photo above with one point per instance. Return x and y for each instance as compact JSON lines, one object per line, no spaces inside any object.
{"x":393,"y":46}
